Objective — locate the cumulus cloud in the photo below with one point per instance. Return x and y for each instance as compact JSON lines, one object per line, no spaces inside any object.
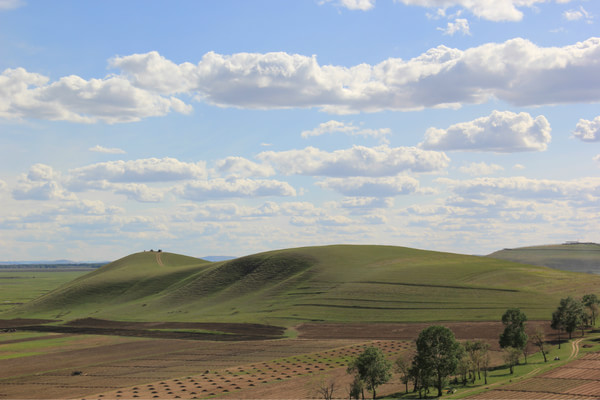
{"x":493,"y":10}
{"x":501,"y":131}
{"x":588,"y":131}
{"x":356,"y":161}
{"x":480,"y":169}
{"x":516,"y":71}
{"x":372,"y":187}
{"x":111,"y":100}
{"x":107,"y":150}
{"x":40,"y":183}
{"x":141,"y":170}
{"x":243,"y":168}
{"x":138,"y":192}
{"x":583,"y":189}
{"x":459,"y":25}
{"x":362,"y":5}
{"x":348,"y":128}
{"x":597,"y":159}
{"x":221,"y":188}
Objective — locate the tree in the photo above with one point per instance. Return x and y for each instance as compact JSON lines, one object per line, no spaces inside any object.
{"x":324,"y":386}
{"x":590,"y":301}
{"x":403,"y":368}
{"x":485,"y":365}
{"x":511,"y":357}
{"x":372,"y":368}
{"x":476,"y":350}
{"x":514,"y":329}
{"x":437,"y":355}
{"x":357,"y":389}
{"x":539,"y":339}
{"x":568,"y":316}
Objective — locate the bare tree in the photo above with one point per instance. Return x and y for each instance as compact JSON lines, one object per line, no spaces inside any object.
{"x":539,"y":339}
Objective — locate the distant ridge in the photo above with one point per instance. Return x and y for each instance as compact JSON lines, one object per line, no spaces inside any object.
{"x":569,"y":256}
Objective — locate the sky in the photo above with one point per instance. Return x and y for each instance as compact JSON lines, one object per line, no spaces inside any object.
{"x":232,"y":127}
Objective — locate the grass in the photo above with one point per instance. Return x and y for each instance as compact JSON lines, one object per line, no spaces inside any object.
{"x":20,"y":287}
{"x":582,"y":257}
{"x":329,"y":283}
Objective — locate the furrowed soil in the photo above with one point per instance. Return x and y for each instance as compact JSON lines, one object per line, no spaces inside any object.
{"x":150,"y":367}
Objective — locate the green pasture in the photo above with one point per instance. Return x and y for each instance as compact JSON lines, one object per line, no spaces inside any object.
{"x":18,"y":287}
{"x":581,"y":257}
{"x":331,"y":283}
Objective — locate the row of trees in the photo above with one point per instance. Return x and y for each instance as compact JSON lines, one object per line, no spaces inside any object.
{"x":439,"y":355}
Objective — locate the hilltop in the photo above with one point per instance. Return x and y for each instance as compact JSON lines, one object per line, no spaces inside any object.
{"x":570,"y":256}
{"x":341,"y":283}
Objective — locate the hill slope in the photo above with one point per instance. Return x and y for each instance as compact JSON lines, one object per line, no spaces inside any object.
{"x":330,"y":283}
{"x":578,"y":257}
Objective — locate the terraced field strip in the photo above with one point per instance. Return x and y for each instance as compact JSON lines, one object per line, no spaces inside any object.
{"x":249,"y":381}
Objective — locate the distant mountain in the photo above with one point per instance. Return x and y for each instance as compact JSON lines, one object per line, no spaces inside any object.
{"x":569,"y":256}
{"x":218,"y":258}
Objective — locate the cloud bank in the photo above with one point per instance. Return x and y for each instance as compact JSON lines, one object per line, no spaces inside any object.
{"x":516,"y":71}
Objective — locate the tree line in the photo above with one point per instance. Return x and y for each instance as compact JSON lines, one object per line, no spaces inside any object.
{"x":439,"y":355}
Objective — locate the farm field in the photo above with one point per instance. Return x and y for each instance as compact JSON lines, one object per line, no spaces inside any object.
{"x":21,"y":286}
{"x":43,"y":364}
{"x":579,"y":379}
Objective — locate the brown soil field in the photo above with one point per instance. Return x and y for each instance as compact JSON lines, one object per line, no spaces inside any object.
{"x":579,"y":379}
{"x":151,"y":368}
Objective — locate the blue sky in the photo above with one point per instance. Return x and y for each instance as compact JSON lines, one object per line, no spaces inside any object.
{"x":233,"y":127}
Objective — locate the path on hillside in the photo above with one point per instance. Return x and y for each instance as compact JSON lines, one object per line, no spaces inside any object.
{"x":574,"y":349}
{"x":159,"y":260}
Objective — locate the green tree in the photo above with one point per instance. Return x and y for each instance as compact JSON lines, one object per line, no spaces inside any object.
{"x":568,"y":316}
{"x":511,"y":357}
{"x":539,"y":339}
{"x":438,"y":354}
{"x":514,"y":329}
{"x":590,"y":301}
{"x":372,"y":368}
{"x":403,"y":368}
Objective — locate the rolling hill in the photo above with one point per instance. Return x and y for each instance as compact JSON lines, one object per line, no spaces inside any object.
{"x":578,"y":257}
{"x":341,"y":283}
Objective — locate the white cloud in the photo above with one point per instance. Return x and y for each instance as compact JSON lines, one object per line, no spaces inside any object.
{"x":575,"y":15}
{"x":480,"y":169}
{"x":111,"y":100}
{"x":583,"y":189}
{"x":40,"y":183}
{"x":362,"y":5}
{"x":518,"y":166}
{"x":588,"y":131}
{"x":141,"y":170}
{"x":10,"y":4}
{"x":459,"y":25}
{"x":221,"y":188}
{"x":372,"y":187}
{"x":493,"y":10}
{"x":107,"y":150}
{"x":366,"y":203}
{"x":597,"y":159}
{"x":516,"y":71}
{"x":356,"y":161}
{"x":138,"y":192}
{"x":337,"y":126}
{"x":242,"y":168}
{"x":504,"y":132}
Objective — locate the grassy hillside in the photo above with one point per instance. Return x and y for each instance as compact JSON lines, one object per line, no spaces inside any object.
{"x":330,"y":283}
{"x":580,"y":257}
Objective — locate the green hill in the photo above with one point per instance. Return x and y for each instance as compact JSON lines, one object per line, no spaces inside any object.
{"x":578,"y":257}
{"x":332,"y":283}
